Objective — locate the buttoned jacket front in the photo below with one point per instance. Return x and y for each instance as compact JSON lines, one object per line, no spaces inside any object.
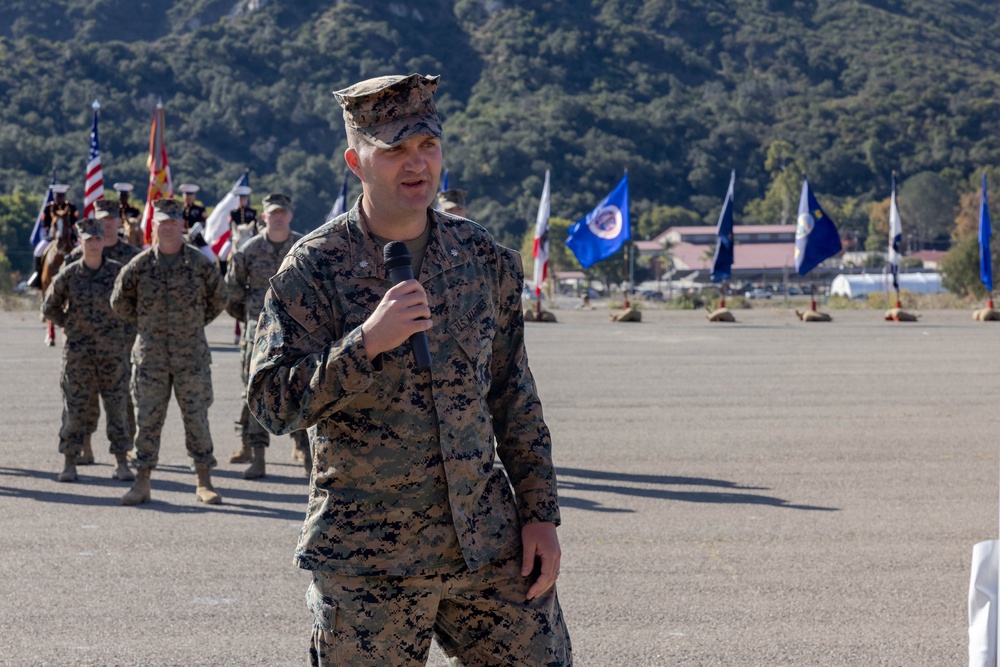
{"x":405,"y":480}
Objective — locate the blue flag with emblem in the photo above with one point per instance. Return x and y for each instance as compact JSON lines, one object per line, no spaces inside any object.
{"x":604,"y":230}
{"x":722,"y":262}
{"x":816,"y":237}
{"x":985,"y":260}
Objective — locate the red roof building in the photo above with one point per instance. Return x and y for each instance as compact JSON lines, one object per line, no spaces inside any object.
{"x":759,"y":248}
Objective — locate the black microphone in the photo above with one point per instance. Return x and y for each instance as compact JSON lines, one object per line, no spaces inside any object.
{"x":399,"y":268}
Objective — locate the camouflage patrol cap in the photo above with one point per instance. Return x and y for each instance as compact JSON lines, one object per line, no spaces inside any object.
{"x":89,"y":228}
{"x":389,"y":109}
{"x":106,"y":208}
{"x":167,"y":209}
{"x":277,"y":200}
{"x":449,"y":199}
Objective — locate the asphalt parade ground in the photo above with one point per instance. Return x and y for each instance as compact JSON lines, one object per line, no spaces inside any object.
{"x":761,"y":493}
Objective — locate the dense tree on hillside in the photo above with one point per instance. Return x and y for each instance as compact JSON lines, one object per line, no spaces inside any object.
{"x":678,"y":93}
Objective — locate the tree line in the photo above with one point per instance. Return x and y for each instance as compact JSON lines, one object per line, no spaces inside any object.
{"x":678,"y":92}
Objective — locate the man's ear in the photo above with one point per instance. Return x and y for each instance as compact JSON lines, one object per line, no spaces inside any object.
{"x":353,"y":161}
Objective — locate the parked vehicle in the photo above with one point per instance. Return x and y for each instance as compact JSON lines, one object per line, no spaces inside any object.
{"x":757,"y":293}
{"x":653,"y":295}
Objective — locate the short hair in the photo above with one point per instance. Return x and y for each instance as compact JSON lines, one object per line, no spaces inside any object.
{"x":354,"y":137}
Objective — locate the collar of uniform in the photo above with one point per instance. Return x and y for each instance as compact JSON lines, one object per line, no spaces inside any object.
{"x":444,"y":248}
{"x":159,"y":255}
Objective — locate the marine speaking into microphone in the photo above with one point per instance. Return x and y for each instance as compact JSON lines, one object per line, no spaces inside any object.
{"x":399,"y":268}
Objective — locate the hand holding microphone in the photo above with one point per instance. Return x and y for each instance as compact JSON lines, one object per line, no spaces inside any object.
{"x":403,"y":313}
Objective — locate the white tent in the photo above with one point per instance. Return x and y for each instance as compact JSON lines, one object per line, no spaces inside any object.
{"x":856,"y":286}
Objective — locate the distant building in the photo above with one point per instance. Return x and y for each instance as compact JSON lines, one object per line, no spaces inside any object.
{"x":763,"y":252}
{"x":930,"y":258}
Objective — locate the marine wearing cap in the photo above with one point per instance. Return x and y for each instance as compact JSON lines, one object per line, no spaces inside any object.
{"x":89,"y":228}
{"x":389,"y":109}
{"x":59,"y":208}
{"x":167,"y":209}
{"x":194,"y":212}
{"x":243,"y":219}
{"x":276,"y":201}
{"x":106,"y":208}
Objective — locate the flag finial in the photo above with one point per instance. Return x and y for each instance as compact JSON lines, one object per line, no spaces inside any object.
{"x":96,"y":105}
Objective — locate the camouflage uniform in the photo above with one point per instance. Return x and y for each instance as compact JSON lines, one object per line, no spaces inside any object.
{"x":122,"y":253}
{"x":170,"y":306}
{"x":247,"y":279}
{"x":405,"y":498}
{"x":94,"y":359}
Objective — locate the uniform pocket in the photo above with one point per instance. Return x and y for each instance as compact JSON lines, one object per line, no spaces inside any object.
{"x":474,"y":333}
{"x":323,"y":652}
{"x":323,"y":610}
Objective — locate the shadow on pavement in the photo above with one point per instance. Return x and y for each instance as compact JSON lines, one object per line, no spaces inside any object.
{"x":63,"y":493}
{"x":566,"y":483}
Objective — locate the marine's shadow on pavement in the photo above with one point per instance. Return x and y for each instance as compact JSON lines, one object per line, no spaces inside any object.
{"x":99,"y":476}
{"x":653,"y":486}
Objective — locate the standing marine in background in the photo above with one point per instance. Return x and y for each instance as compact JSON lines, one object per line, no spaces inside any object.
{"x":170,"y":292}
{"x":243,"y":221}
{"x":194,"y":212}
{"x":58,"y":211}
{"x":94,"y":359}
{"x":106,"y":212}
{"x":242,"y":225}
{"x":250,"y":271}
{"x":129,"y":215}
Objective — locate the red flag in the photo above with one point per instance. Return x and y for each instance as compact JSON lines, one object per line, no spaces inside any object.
{"x":160,"y":184}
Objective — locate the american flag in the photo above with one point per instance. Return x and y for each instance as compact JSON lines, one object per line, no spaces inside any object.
{"x":94,"y":187}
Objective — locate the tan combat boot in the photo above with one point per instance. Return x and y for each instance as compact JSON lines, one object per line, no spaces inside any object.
{"x":139,"y":493}
{"x":297,"y":454}
{"x":256,"y":469}
{"x":241,"y":455}
{"x":123,"y":473}
{"x":68,"y":473}
{"x":86,"y":457}
{"x":205,"y":492}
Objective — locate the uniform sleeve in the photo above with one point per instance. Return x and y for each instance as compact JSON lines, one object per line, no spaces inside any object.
{"x":124,"y":295}
{"x":236,"y":286}
{"x":523,"y":441}
{"x":215,"y":290}
{"x":54,"y":302}
{"x":302,"y":369}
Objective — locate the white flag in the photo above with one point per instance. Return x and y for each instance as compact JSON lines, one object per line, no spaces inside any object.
{"x":217,"y":231}
{"x":541,"y":251}
{"x":895,"y":236}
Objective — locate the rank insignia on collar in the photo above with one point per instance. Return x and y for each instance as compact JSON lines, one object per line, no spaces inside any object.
{"x":364,"y":263}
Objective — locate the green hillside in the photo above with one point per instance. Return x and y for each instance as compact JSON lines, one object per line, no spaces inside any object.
{"x":679,"y":92}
